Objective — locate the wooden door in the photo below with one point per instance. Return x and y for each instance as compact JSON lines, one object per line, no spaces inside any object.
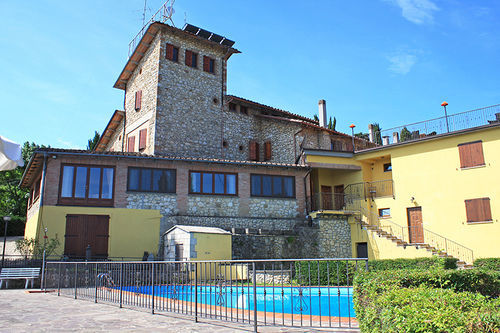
{"x":362,"y":250}
{"x":179,"y":252}
{"x":338,"y":191}
{"x":415,"y":225}
{"x":85,"y":230}
{"x":326,"y":197}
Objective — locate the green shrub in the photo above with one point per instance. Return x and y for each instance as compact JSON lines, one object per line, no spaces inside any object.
{"x":417,"y":263}
{"x":488,"y":263}
{"x":471,"y":280}
{"x":424,"y":309}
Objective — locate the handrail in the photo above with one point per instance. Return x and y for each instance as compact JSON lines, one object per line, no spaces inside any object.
{"x":422,"y":236}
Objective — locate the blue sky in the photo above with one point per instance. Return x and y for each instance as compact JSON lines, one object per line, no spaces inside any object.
{"x":386,"y":61}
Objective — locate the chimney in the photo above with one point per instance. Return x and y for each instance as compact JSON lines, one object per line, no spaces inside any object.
{"x":385,"y":140}
{"x":322,"y":113}
{"x":371,"y":133}
{"x":395,"y":137}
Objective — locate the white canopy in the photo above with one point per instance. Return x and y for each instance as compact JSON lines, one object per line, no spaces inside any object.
{"x":10,"y":154}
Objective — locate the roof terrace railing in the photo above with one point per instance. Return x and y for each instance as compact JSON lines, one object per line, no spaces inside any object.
{"x":452,"y":123}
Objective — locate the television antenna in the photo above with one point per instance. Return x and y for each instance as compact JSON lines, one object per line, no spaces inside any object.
{"x":162,"y":15}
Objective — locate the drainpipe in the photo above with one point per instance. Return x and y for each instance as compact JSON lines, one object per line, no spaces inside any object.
{"x":223,"y":73}
{"x":305,"y":189}
{"x":42,"y":190}
{"x":124,"y":118}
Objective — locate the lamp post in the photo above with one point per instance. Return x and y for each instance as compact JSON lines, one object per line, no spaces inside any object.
{"x":444,"y":104}
{"x":352,"y":132}
{"x":6,"y":220}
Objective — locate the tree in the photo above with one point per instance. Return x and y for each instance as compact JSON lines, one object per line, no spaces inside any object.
{"x":332,"y":125}
{"x":377,"y":131}
{"x":362,"y":135}
{"x":92,"y":143}
{"x":405,"y":135}
{"x":13,"y":199}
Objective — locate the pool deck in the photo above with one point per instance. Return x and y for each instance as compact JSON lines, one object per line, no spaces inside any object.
{"x":36,"y":312}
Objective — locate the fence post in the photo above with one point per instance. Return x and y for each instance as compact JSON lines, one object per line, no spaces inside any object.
{"x":59,"y":281}
{"x":95,"y":282}
{"x":196,"y":292}
{"x":76,"y":276}
{"x":152,"y":288}
{"x":366,"y":264}
{"x":121,"y":285}
{"x":254,"y":297}
{"x":42,"y":280}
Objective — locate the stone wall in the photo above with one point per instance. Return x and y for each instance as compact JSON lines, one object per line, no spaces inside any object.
{"x":273,"y":207}
{"x":334,"y":237}
{"x":211,"y":205}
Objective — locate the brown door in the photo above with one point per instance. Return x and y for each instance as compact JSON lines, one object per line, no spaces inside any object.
{"x":338,"y":191}
{"x":415,"y":225}
{"x":85,"y":230}
{"x":179,"y":252}
{"x":326,"y":197}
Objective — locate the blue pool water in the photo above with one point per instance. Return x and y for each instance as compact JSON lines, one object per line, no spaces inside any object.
{"x":324,"y":301}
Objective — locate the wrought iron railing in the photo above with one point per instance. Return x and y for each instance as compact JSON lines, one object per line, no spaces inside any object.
{"x":333,"y":201}
{"x":420,"y":236}
{"x":285,"y":292}
{"x":379,"y":188}
{"x":455,"y":122}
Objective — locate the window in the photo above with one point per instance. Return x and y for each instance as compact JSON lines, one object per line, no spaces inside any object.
{"x":243,"y":109}
{"x":131,"y":144}
{"x":232,"y":107}
{"x":384,"y":212}
{"x":471,"y":154}
{"x":213,"y":183}
{"x":387,"y":167}
{"x":143,"y":134}
{"x":86,"y":185}
{"x":151,"y":180}
{"x":362,"y":250}
{"x":138,"y":100}
{"x":478,"y":210}
{"x":34,"y":193}
{"x":191,"y":59}
{"x":208,"y":64}
{"x":272,"y":186}
{"x":253,"y":151}
{"x":267,"y":151}
{"x":172,"y":53}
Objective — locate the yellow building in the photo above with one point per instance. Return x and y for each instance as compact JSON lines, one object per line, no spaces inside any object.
{"x":435,"y":194}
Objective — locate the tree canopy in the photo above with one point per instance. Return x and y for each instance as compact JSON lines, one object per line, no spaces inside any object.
{"x":93,"y":141}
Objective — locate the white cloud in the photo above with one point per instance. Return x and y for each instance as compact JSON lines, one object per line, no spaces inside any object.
{"x":417,"y":11}
{"x":402,"y":63}
{"x":67,"y":144}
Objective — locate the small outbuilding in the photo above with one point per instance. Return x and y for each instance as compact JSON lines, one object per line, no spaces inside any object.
{"x":191,"y":243}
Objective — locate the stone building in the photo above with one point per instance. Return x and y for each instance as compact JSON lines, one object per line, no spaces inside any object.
{"x":184,"y":152}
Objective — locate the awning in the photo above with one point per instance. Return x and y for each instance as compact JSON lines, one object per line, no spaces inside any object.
{"x":10,"y":154}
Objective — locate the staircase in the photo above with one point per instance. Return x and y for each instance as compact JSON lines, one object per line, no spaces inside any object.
{"x":432,"y":242}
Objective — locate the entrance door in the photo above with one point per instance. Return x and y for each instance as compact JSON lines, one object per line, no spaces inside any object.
{"x":415,"y":225}
{"x":179,"y":252}
{"x":338,"y":191}
{"x":326,"y":197}
{"x":85,"y":230}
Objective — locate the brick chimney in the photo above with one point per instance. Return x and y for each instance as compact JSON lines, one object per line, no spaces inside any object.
{"x":322,"y":112}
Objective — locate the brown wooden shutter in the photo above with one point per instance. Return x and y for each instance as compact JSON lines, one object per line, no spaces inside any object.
{"x":143,"y":133}
{"x":478,"y":210}
{"x":131,"y":143}
{"x":170,"y":52}
{"x":138,"y":99}
{"x":471,"y":154}
{"x":267,"y":150}
{"x":253,"y":151}
{"x":189,"y":58}
{"x":206,"y":64}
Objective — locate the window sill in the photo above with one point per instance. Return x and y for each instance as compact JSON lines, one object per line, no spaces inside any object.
{"x":480,"y":222}
{"x":266,"y":197}
{"x":474,"y":167}
{"x":384,"y":217}
{"x":149,"y":192}
{"x":214,"y":195}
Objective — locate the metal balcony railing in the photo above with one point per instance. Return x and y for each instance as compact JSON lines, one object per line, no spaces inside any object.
{"x":455,"y":122}
{"x":334,"y":201}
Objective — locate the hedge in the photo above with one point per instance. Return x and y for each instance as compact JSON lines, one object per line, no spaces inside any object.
{"x":306,"y":272}
{"x":471,"y":280}
{"x":424,"y":309}
{"x":423,"y":301}
{"x":488,"y":263}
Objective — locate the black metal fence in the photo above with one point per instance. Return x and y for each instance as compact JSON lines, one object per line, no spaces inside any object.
{"x":299,"y":292}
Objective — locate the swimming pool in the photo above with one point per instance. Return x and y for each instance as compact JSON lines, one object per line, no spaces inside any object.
{"x":315,"y":301}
